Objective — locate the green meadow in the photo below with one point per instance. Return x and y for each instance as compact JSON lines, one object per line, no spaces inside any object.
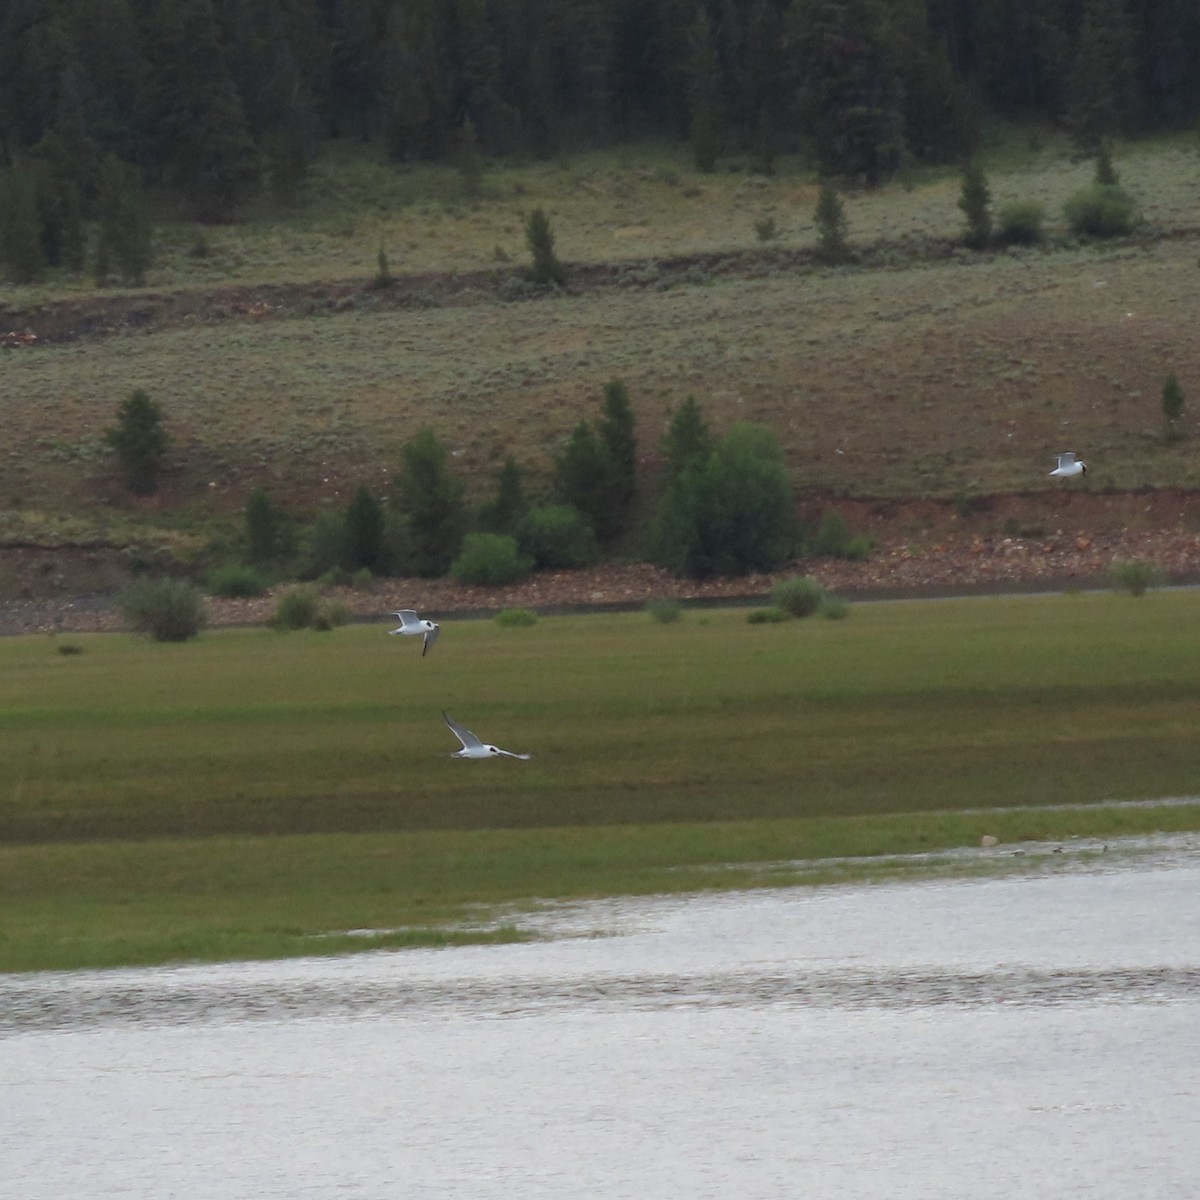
{"x":254,"y":794}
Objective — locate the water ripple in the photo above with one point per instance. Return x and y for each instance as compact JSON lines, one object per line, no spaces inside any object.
{"x":42,"y":1005}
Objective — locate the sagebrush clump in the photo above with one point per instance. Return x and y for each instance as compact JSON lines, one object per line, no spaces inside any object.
{"x":767,"y":616}
{"x":833,"y":539}
{"x":1019,"y":223}
{"x":798,"y":597}
{"x":516,"y":618}
{"x":664,"y":611}
{"x":297,"y":609}
{"x":1135,"y":577}
{"x":168,"y":610}
{"x":1101,"y":210}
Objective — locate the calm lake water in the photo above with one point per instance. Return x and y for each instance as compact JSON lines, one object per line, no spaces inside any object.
{"x":1032,"y":1035}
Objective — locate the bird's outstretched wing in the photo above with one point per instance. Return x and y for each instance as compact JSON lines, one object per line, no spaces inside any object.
{"x":1066,"y":460}
{"x":431,"y":636}
{"x":510,"y":754}
{"x":468,"y":739}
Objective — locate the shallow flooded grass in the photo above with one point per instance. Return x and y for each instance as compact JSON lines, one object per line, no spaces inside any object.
{"x":245,"y":794}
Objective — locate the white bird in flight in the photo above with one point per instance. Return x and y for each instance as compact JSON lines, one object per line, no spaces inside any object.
{"x":472,"y":747}
{"x":413,"y":626}
{"x":1068,"y":465}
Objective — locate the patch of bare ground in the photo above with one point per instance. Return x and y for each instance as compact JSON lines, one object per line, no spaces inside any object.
{"x":922,"y":548}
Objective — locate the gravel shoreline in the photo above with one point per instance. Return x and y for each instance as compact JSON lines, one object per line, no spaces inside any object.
{"x":958,"y":566}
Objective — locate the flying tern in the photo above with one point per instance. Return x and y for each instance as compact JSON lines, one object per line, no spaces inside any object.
{"x":1068,"y":465}
{"x":472,"y":747}
{"x":413,"y":626}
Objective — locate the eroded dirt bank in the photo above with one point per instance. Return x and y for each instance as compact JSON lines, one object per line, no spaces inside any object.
{"x":922,"y":548}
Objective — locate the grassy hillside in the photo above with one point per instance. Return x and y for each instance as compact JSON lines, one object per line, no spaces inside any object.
{"x":309,"y":780}
{"x":910,"y":377}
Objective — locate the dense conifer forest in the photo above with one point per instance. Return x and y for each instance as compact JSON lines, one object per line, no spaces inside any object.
{"x":217,"y":101}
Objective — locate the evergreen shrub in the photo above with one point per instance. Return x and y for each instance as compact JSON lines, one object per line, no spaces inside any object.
{"x":490,"y":560}
{"x":729,"y":513}
{"x":236,"y":580}
{"x":556,"y":537}
{"x":264,"y":527}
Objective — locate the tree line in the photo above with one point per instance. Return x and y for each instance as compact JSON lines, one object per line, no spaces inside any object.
{"x":725,"y":505}
{"x":216,"y":101}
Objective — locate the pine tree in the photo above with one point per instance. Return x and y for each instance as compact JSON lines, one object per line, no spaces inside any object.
{"x":480,"y":76}
{"x":581,"y":476}
{"x":762,"y":83}
{"x":1106,"y":173}
{"x":1168,"y":36}
{"x":431,"y":498}
{"x":125,"y":238}
{"x":687,"y":439}
{"x":60,"y":208}
{"x":417,"y":89}
{"x":289,"y":125}
{"x":140,"y":442}
{"x":264,"y":526}
{"x":704,"y":92}
{"x":618,"y":445}
{"x":383,"y":271}
{"x":194,"y":112}
{"x":74,"y":237}
{"x":941,"y":115}
{"x":974,"y":201}
{"x":359,"y":64}
{"x":223,"y":163}
{"x":501,"y":514}
{"x":20,"y":228}
{"x":364,"y":527}
{"x":540,"y":238}
{"x":850,"y":94}
{"x":72,"y":147}
{"x":470,"y":160}
{"x":1172,"y":404}
{"x":830,"y":219}
{"x":1103,"y":86}
{"x":102,"y":108}
{"x":730,"y":511}
{"x":541,"y":117}
{"x":584,"y":33}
